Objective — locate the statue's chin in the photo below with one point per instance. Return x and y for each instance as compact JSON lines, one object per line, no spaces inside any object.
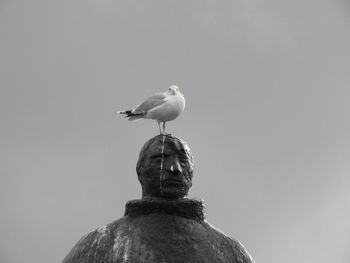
{"x":174,"y":192}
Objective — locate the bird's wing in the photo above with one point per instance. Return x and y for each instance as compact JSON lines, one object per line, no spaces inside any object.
{"x":153,"y":101}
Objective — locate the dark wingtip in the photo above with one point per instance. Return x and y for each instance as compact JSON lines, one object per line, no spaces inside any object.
{"x":126,"y":112}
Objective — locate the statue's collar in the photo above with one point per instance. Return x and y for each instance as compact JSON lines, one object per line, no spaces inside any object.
{"x":188,"y":208}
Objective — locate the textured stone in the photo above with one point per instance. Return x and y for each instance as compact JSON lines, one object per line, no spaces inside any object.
{"x":156,"y":231}
{"x":165,"y":167}
{"x":164,"y":226}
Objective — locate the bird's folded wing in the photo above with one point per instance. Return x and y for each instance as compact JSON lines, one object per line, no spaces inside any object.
{"x":150,"y":103}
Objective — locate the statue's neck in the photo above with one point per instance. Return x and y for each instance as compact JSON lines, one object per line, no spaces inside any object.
{"x":188,"y":208}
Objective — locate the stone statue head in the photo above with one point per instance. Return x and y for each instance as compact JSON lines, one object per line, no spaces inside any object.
{"x":165,"y":168}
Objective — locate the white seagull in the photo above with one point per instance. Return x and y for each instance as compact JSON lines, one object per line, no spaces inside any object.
{"x":161,"y":107}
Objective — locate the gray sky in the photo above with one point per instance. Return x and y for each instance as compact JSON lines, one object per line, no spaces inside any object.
{"x":267,"y":117}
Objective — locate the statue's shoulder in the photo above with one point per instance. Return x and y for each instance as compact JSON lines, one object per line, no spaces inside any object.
{"x":230,"y":245}
{"x":95,"y":244}
{"x":242,"y":255}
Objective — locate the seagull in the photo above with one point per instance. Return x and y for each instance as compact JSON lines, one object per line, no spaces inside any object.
{"x":161,"y":107}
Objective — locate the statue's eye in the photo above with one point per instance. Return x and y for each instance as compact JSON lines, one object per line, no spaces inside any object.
{"x":183,"y":156}
{"x":158,"y":157}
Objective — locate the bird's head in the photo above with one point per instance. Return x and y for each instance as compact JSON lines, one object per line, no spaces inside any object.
{"x":173,"y":90}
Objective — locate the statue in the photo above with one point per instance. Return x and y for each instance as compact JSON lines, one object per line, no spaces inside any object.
{"x":165,"y":225}
{"x":165,"y":168}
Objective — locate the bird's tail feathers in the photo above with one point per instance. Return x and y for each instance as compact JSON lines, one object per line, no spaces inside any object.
{"x":125,"y":112}
{"x":131,"y":115}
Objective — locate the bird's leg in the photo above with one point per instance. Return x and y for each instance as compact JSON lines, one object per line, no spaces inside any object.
{"x":160,"y":130}
{"x":164,"y":127}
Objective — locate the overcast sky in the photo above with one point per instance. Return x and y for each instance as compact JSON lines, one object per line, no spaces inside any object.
{"x":267,"y":118}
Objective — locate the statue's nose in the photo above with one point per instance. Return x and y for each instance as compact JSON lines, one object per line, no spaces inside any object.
{"x":175,"y":167}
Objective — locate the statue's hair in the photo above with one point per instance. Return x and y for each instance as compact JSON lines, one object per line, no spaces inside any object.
{"x":159,"y":140}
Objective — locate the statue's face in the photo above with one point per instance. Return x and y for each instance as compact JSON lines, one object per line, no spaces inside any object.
{"x":167,"y":174}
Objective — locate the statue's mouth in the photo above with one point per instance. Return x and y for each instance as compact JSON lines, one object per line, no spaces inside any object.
{"x":172,"y":183}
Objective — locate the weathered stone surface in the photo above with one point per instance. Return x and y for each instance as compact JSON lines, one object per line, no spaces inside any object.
{"x":156,"y":231}
{"x":165,"y":167}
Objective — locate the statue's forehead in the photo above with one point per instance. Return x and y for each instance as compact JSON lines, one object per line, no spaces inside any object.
{"x":174,"y":145}
{"x":169,"y":145}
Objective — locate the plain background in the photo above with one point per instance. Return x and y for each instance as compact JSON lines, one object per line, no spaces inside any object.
{"x":267,"y":118}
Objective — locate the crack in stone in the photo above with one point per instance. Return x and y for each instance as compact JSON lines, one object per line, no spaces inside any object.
{"x":161,"y":168}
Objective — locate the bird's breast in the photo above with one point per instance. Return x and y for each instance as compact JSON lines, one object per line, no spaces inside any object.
{"x":169,"y":110}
